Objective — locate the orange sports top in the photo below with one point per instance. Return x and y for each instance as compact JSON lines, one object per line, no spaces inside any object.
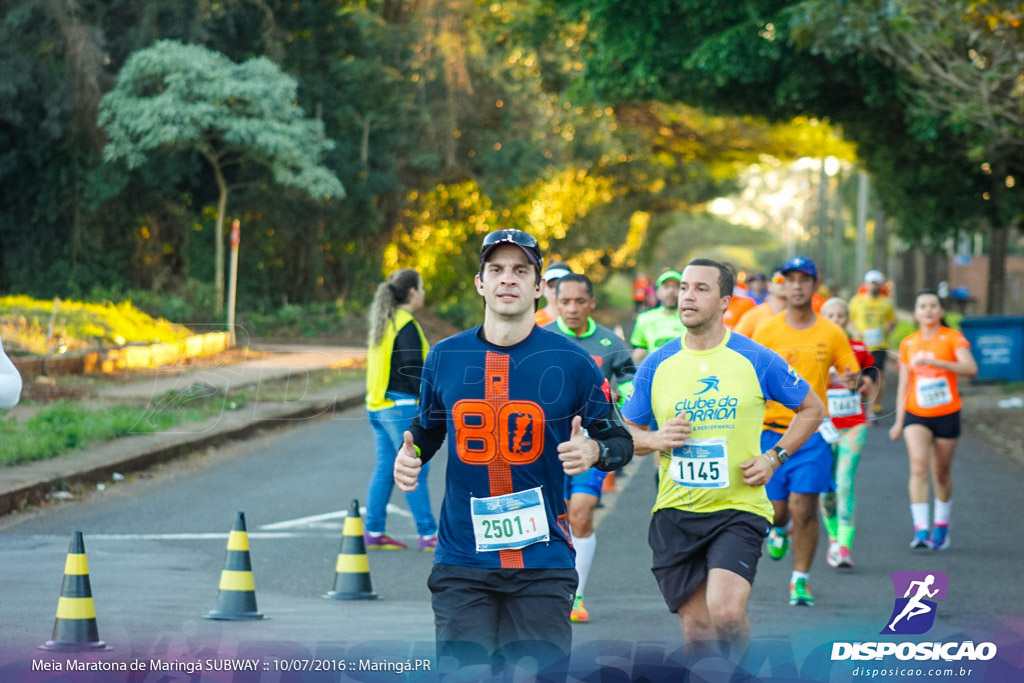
{"x":933,"y":391}
{"x":810,"y":353}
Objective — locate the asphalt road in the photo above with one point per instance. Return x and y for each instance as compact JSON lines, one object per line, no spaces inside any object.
{"x":156,"y":546}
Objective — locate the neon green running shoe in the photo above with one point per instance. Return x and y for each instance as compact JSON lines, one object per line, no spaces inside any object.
{"x":800,"y":593}
{"x":778,"y":543}
{"x":579,"y":614}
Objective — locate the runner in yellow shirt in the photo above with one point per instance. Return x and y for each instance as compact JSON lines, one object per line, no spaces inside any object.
{"x":873,"y":316}
{"x":706,"y":392}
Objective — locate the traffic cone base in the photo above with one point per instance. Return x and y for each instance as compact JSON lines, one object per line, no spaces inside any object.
{"x":74,"y":629}
{"x":236,"y":599}
{"x":352,"y":570}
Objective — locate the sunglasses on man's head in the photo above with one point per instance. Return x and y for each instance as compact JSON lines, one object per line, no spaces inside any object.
{"x":523,"y":239}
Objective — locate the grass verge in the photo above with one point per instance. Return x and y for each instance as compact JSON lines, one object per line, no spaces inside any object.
{"x":64,"y":426}
{"x":67,"y":425}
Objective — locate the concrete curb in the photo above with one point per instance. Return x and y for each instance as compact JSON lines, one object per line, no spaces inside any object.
{"x":20,"y":496}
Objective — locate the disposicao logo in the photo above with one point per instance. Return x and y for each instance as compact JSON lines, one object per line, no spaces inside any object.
{"x":913,"y":613}
{"x":916,"y":593}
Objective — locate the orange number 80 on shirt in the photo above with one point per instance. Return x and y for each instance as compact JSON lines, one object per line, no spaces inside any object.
{"x":514,"y":431}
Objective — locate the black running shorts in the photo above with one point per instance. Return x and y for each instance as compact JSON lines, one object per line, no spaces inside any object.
{"x":519,"y":611}
{"x":880,"y":356}
{"x":686,"y":545}
{"x":941,"y":426}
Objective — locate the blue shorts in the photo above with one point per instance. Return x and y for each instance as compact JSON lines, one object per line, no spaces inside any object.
{"x":808,"y":470}
{"x":589,"y":482}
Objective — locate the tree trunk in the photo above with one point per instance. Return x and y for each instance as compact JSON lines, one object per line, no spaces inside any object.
{"x":218,"y":238}
{"x":919,"y":269}
{"x":998,"y":237}
{"x":996,"y":270}
{"x":76,"y":222}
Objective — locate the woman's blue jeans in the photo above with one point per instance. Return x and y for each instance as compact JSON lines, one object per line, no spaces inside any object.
{"x":388,"y":426}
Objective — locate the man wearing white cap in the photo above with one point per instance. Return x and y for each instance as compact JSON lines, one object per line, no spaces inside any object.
{"x":550,"y":278}
{"x":873,"y":316}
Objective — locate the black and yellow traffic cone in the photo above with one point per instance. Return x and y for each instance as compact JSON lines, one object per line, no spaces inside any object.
{"x":236,"y":600}
{"x":352,"y":572}
{"x":75,"y":627}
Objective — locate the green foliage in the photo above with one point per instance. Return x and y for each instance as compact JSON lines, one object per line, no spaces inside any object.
{"x":67,"y":425}
{"x":616,"y":292}
{"x":754,"y":58}
{"x":394,"y":101}
{"x":173,"y":97}
{"x":79,"y":325}
{"x":306,"y":321}
{"x":685,"y":236}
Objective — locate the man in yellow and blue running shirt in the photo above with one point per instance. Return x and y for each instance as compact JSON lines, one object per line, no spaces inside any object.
{"x":707,"y":390}
{"x":811,"y":345}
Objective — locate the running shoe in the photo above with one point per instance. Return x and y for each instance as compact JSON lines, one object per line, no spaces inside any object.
{"x":832,"y":557}
{"x":382,"y":542}
{"x":920,"y":539}
{"x":940,"y":537}
{"x":800,"y":593}
{"x":579,"y":614}
{"x":845,"y":561}
{"x":778,"y":543}
{"x":427,"y":544}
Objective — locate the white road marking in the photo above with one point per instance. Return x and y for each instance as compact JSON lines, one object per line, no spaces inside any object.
{"x":187,"y":537}
{"x":316,"y":521}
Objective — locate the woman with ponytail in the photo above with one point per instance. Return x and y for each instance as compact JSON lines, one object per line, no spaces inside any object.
{"x":397,"y":348}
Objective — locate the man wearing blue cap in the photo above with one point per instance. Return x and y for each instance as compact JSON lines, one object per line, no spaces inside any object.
{"x":812,"y":346}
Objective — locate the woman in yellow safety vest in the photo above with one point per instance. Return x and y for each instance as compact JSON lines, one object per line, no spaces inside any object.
{"x":396,"y":350}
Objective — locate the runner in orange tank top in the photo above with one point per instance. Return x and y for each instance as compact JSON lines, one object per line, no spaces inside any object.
{"x":928,"y":414}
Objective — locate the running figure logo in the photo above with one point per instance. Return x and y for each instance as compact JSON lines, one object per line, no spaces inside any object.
{"x":914,"y":612}
{"x":709,"y":384}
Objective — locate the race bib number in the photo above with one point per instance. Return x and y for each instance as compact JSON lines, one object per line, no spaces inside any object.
{"x":509,"y":522}
{"x":701,"y":463}
{"x":874,"y":337}
{"x":843,"y":403}
{"x":829,"y":432}
{"x":933,"y":392}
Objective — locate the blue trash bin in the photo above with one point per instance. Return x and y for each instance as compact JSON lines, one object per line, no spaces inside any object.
{"x":997,"y":343}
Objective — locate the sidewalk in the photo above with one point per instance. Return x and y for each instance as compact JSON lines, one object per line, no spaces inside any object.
{"x":30,"y":483}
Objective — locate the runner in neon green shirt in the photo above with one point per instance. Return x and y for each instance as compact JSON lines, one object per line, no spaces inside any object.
{"x":659,"y":325}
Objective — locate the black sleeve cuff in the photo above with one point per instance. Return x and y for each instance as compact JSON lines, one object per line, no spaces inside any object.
{"x":427,"y":440}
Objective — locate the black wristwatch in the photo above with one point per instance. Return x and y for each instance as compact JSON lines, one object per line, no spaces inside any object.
{"x":782,"y":453}
{"x":602,"y":458}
